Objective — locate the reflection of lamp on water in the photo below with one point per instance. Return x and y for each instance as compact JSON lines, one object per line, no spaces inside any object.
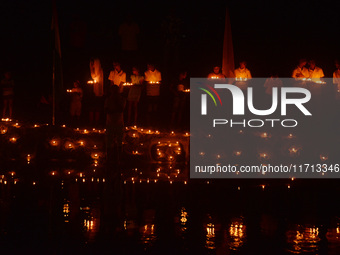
{"x":66,"y":210}
{"x":237,"y":233}
{"x":148,"y":235}
{"x":210,"y":236}
{"x":184,"y":219}
{"x":89,"y":224}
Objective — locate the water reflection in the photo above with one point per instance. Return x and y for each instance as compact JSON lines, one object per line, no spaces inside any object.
{"x":90,"y":218}
{"x":210,"y":240}
{"x":148,"y":229}
{"x":148,"y":235}
{"x":184,"y":220}
{"x":210,"y":236}
{"x":66,"y":211}
{"x":333,"y":238}
{"x":333,"y":234}
{"x":302,"y":239}
{"x":236,"y":234}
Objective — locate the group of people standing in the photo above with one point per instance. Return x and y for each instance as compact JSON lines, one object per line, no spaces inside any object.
{"x":305,"y":70}
{"x":139,"y":86}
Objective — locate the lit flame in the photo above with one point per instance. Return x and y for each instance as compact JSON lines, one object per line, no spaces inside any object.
{"x":323,"y":157}
{"x":92,"y":81}
{"x":240,"y":79}
{"x":13,"y":139}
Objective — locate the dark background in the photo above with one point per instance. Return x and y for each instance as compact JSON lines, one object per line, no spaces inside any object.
{"x":270,"y":35}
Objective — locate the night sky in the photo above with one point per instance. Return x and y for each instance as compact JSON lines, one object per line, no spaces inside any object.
{"x":270,"y":35}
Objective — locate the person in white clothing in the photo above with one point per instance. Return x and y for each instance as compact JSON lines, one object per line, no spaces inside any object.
{"x":301,"y":72}
{"x":315,"y":73}
{"x":242,"y":73}
{"x":117,"y":76}
{"x":216,"y":74}
{"x":152,"y":74}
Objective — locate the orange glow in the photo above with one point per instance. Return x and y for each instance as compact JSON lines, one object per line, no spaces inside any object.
{"x":92,"y":81}
{"x":3,"y":130}
{"x":323,"y":157}
{"x":264,"y":135}
{"x":13,"y":140}
{"x":240,"y":79}
{"x":210,"y":236}
{"x":54,"y":142}
{"x":238,"y":153}
{"x":264,"y":156}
